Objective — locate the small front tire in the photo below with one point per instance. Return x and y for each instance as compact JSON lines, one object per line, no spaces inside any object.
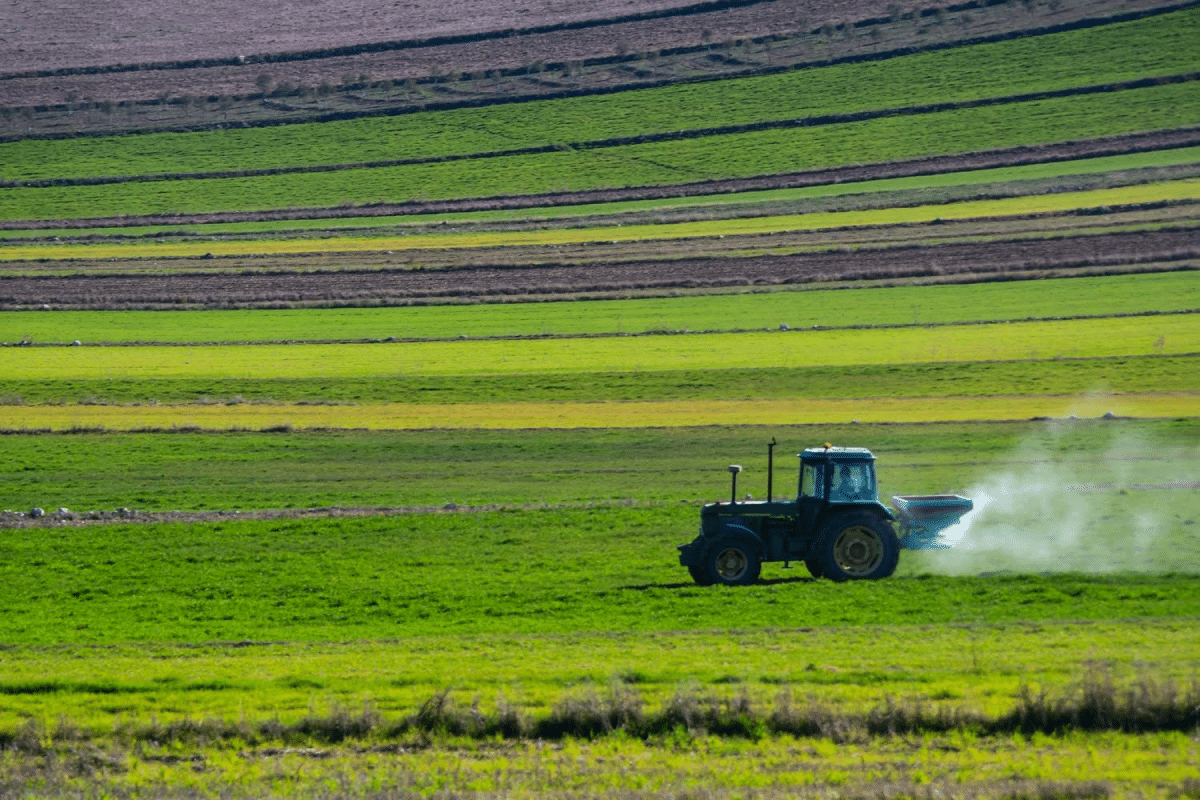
{"x":733,"y":562}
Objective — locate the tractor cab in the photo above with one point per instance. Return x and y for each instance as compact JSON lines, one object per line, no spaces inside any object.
{"x":838,"y":475}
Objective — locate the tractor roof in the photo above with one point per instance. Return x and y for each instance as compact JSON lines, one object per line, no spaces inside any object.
{"x":838,"y":453}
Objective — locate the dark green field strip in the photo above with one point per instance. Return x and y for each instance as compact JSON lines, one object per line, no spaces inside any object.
{"x":1154,"y":46}
{"x":734,"y":155}
{"x":977,"y":379}
{"x":933,"y":189}
{"x":600,"y":144}
{"x":299,"y":470}
{"x":541,"y":572}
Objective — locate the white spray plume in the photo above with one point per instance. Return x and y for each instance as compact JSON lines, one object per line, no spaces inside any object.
{"x":1131,"y":505}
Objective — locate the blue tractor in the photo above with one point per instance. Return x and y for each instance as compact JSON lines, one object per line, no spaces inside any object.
{"x":835,"y":525}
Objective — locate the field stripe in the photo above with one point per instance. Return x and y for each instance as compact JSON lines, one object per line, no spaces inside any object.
{"x":756,"y":153}
{"x":1165,"y":191}
{"x":1166,"y":334}
{"x":675,"y":413}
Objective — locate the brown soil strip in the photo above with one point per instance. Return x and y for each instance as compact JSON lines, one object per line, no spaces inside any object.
{"x":1167,"y":248}
{"x":608,"y":55}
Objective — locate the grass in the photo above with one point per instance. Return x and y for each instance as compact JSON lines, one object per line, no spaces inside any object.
{"x":721,"y":156}
{"x":496,"y":573}
{"x":852,"y":670}
{"x":1120,"y":375}
{"x":1167,"y":334}
{"x":1084,"y":767}
{"x":475,"y":468}
{"x":518,"y":415}
{"x":1158,"y":45}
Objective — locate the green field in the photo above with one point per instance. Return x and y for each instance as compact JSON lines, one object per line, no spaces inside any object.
{"x":721,"y":156}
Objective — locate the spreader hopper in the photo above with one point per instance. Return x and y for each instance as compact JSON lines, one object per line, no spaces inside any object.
{"x":923,"y":518}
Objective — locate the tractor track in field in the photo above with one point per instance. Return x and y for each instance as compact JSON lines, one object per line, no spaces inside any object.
{"x":1157,"y":249}
{"x":57,"y":519}
{"x":54,"y":519}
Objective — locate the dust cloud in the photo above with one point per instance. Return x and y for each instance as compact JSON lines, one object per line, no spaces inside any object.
{"x":1130,"y":504}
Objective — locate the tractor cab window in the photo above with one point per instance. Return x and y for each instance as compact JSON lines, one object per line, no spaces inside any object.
{"x":851,"y":483}
{"x":811,"y":483}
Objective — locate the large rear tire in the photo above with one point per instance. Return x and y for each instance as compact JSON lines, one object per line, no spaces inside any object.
{"x":857,"y":546}
{"x":733,"y":562}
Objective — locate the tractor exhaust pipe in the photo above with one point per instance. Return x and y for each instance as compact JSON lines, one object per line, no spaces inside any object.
{"x":770,"y":466}
{"x":734,"y":469}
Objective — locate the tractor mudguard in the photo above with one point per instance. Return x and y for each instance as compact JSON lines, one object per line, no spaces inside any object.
{"x":743,"y":532}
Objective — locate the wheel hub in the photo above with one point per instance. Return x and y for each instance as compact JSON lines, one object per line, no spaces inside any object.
{"x":858,"y":550}
{"x":731,"y":563}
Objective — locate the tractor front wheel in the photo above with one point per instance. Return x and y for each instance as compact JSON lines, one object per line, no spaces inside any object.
{"x":857,"y":546}
{"x":733,"y":562}
{"x":814,"y":567}
{"x":700,"y":576}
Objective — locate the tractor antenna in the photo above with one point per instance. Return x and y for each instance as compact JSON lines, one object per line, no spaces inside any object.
{"x":770,"y":466}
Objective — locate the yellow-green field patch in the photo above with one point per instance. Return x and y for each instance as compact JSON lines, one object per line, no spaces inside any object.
{"x":673,"y":413}
{"x":1165,"y":334}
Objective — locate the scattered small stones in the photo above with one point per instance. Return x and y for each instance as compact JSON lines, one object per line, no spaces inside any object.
{"x":36,"y":512}
{"x":783,"y":326}
{"x":450,"y":507}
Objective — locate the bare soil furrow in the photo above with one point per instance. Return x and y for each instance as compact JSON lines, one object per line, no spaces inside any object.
{"x":1166,"y":249}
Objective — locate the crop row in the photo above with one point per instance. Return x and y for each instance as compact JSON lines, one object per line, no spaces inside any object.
{"x":1107,"y":54}
{"x":245,"y":470}
{"x":724,"y":156}
{"x":1083,"y":338}
{"x":898,"y":305}
{"x":1048,"y":377}
{"x":711,"y":204}
{"x":433,"y":238}
{"x":523,"y":415}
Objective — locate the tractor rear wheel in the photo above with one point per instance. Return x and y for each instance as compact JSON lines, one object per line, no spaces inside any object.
{"x":733,"y":562}
{"x":700,"y":576}
{"x":857,"y":546}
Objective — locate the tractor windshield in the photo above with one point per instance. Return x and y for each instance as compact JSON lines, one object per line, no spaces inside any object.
{"x":811,"y":482}
{"x":852,"y":483}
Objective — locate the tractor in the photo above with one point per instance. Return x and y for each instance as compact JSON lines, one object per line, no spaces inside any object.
{"x":836,"y":525}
